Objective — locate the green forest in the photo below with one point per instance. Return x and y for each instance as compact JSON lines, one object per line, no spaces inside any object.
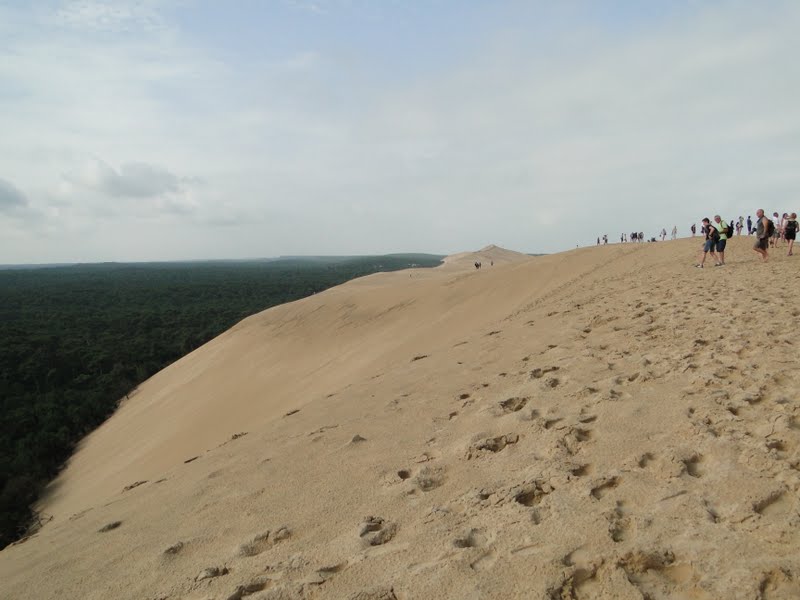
{"x":74,"y":340}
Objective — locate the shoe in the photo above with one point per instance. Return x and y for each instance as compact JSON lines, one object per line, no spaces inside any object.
{"x":717,"y":264}
{"x":699,"y":266}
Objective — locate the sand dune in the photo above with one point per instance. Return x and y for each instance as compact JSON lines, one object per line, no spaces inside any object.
{"x":603,"y":423}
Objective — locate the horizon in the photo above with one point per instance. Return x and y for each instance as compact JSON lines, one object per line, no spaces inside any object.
{"x":155,"y":130}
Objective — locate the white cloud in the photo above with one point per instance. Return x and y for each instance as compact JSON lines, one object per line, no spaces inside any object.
{"x":100,"y":15}
{"x":133,"y":180}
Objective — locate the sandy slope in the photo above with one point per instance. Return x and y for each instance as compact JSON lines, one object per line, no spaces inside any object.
{"x":603,"y":423}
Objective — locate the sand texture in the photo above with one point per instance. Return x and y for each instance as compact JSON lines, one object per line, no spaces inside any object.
{"x":605,"y":423}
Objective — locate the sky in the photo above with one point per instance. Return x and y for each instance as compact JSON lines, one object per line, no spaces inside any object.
{"x":189,"y":129}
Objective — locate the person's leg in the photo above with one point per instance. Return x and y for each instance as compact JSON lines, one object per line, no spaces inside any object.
{"x":791,"y":245}
{"x":757,"y":249}
{"x":703,"y":256}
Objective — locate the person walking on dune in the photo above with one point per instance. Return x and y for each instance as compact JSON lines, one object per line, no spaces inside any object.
{"x":712,"y":236}
{"x":674,"y":232}
{"x":776,"y":230}
{"x":763,"y":234}
{"x":790,"y":231}
{"x":749,"y":225}
{"x":723,"y":230}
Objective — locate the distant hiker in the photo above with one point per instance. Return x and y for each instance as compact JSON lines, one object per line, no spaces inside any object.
{"x":790,"y":231}
{"x":749,"y":225}
{"x":738,"y":228}
{"x":598,"y":241}
{"x":711,"y":239}
{"x":674,"y":232}
{"x":764,"y":229}
{"x":784,"y":220}
{"x":641,"y":236}
{"x":694,"y":230}
{"x":605,"y":239}
{"x":776,"y":235}
{"x":724,"y":231}
{"x":741,"y":224}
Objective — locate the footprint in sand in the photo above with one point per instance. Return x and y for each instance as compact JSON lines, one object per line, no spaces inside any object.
{"x":645,"y":459}
{"x":618,"y":523}
{"x":109,"y":526}
{"x":376,"y":531}
{"x":779,"y":583}
{"x":252,"y":587}
{"x":656,"y":574}
{"x":602,"y":488}
{"x":582,"y":470}
{"x":513,"y":404}
{"x":776,"y":504}
{"x":261,"y":542}
{"x":212,"y":572}
{"x":429,"y":478}
{"x":491,"y":444}
{"x":692,"y":465}
{"x":133,"y":485}
{"x":531,"y":494}
{"x":473,"y":538}
{"x":323,"y":574}
{"x":538,"y":373}
{"x":174,"y":550}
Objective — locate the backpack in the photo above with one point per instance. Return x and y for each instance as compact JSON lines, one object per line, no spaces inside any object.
{"x":770,"y":228}
{"x":729,"y":230}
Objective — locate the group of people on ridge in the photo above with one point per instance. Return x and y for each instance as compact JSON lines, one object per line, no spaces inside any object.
{"x":768,"y":233}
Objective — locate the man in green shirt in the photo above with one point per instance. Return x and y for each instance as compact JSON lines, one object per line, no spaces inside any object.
{"x":722,"y":227}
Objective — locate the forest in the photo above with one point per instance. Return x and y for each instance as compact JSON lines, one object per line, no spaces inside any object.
{"x":74,"y":340}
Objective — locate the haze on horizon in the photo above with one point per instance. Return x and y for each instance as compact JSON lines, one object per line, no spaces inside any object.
{"x":189,"y":129}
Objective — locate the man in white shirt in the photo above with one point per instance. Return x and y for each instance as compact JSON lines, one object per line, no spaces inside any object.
{"x":776,"y":219}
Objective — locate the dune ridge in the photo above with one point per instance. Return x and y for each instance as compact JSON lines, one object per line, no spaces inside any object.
{"x":603,"y":423}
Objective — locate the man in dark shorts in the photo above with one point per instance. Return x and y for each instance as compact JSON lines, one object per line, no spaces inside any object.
{"x":762,"y":235}
{"x":722,"y":228}
{"x":712,"y":237}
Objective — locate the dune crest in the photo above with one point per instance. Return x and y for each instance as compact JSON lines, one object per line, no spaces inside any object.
{"x":488,"y":255}
{"x":596,"y":424}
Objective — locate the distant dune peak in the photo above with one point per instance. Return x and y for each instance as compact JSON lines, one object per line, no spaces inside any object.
{"x":486,"y":256}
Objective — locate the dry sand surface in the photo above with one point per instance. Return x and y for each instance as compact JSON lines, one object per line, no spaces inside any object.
{"x":603,"y":423}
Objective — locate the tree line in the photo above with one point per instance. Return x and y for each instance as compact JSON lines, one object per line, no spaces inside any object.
{"x":74,"y":340}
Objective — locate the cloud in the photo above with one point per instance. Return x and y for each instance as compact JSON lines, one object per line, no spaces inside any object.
{"x":11,"y":199}
{"x":97,"y":15}
{"x":133,"y":180}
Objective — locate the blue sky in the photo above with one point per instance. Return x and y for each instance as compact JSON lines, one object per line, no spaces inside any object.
{"x":181,"y":129}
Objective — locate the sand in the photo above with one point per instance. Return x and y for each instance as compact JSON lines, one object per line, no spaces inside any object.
{"x":603,"y":423}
